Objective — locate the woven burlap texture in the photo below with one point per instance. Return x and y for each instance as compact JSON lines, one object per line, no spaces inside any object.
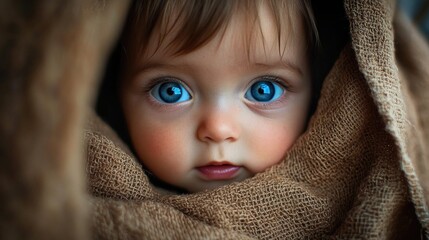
{"x":359,"y":171}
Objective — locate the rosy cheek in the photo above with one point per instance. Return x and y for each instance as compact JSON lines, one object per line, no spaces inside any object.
{"x":160,"y":150}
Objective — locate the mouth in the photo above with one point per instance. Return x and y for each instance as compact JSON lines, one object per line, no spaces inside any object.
{"x":218,"y":171}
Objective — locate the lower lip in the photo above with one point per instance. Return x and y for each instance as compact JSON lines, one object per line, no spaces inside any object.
{"x":218,"y":172}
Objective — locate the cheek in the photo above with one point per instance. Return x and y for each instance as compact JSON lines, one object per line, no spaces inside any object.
{"x":269,"y":144}
{"x":160,"y":148}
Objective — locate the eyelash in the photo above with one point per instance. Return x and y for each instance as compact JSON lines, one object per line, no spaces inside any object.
{"x":275,"y":79}
{"x":270,"y":105}
{"x":159,"y":80}
{"x":152,"y":83}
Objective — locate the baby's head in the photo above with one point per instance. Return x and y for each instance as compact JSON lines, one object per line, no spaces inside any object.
{"x":214,"y":92}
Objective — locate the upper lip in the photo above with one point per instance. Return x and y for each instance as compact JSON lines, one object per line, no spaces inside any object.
{"x":218,"y":163}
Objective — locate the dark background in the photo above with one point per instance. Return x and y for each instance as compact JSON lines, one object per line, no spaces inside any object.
{"x":418,"y":11}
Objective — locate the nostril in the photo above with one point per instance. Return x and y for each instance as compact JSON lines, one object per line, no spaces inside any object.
{"x":230,"y":139}
{"x":220,"y":132}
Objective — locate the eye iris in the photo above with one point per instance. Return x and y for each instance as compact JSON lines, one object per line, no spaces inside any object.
{"x":262,"y":91}
{"x":170,"y":92}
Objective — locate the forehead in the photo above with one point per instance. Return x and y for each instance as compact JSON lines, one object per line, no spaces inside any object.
{"x":233,"y":49}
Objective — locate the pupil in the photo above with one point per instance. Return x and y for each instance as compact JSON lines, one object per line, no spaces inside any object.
{"x":262,"y":91}
{"x":173,"y":90}
{"x":170,"y":92}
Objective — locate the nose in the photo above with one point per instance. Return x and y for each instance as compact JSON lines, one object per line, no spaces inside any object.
{"x":218,"y":126}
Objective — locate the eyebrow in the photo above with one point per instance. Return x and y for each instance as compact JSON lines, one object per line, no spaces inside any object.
{"x":284,"y":63}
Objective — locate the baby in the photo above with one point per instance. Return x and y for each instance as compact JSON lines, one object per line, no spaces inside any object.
{"x":214,"y":92}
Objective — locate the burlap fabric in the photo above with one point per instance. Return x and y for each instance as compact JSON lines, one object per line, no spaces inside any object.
{"x":359,"y":171}
{"x":51,"y":56}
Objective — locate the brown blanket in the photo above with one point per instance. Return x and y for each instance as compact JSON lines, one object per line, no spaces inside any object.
{"x":359,"y":171}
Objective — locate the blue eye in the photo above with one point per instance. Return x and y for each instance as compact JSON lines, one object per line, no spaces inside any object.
{"x":264,"y":91}
{"x":170,"y":92}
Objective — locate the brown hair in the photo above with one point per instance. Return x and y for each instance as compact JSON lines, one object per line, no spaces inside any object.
{"x":196,"y":22}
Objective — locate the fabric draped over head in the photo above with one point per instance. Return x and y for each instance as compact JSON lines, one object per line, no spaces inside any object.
{"x":359,"y":171}
{"x":354,"y":173}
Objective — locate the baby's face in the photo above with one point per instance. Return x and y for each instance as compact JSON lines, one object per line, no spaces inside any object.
{"x":221,"y":113}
